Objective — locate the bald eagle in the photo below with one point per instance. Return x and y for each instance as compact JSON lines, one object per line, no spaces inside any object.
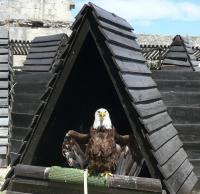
{"x":102,"y":150}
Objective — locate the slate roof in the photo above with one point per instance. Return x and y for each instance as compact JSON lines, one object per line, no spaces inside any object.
{"x":180,"y":55}
{"x":154,"y":132}
{"x":32,"y":87}
{"x":5,"y":62}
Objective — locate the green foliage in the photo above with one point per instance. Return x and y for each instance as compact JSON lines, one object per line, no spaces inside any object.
{"x":153,"y":64}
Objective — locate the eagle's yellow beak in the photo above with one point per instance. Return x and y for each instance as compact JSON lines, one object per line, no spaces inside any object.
{"x":102,"y":115}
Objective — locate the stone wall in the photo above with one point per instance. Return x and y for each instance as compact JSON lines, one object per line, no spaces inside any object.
{"x":27,"y":19}
{"x":25,"y":33}
{"x":52,"y":10}
{"x":146,"y":39}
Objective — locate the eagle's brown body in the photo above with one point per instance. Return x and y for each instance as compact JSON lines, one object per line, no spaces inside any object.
{"x":102,"y":150}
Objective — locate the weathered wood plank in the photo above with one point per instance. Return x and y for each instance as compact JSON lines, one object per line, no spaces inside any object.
{"x":176,"y":62}
{"x":188,"y":132}
{"x":149,"y":109}
{"x":3,"y":149}
{"x":38,"y":61}
{"x":125,"y":53}
{"x":20,"y":133}
{"x":41,"y":68}
{"x":120,"y":40}
{"x":43,"y":49}
{"x":175,"y":75}
{"x":137,"y":81}
{"x":28,"y":108}
{"x":178,"y":178}
{"x":3,"y":102}
{"x":3,"y":132}
{"x":156,"y":122}
{"x":26,"y":96}
{"x":3,"y":85}
{"x":3,"y":51}
{"x":130,"y":182}
{"x":172,"y":98}
{"x":16,"y":145}
{"x":158,"y":138}
{"x":4,"y":58}
{"x":3,"y":75}
{"x":30,"y":77}
{"x":191,"y":148}
{"x":50,"y":38}
{"x":31,"y":171}
{"x":178,"y":85}
{"x":173,"y":163}
{"x":30,"y":87}
{"x":45,"y":44}
{"x":4,"y":67}
{"x":13,"y":192}
{"x":184,"y":114}
{"x":117,"y":30}
{"x":4,"y":42}
{"x":3,"y":112}
{"x":144,"y":94}
{"x":169,"y":149}
{"x":131,"y":67}
{"x":4,"y":121}
{"x":21,"y":120}
{"x":41,"y":55}
{"x":3,"y":93}
{"x":188,"y":185}
{"x":111,"y":18}
{"x":178,"y":55}
{"x":177,"y":48}
{"x":3,"y":141}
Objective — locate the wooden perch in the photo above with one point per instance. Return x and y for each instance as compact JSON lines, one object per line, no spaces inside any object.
{"x":70,"y":176}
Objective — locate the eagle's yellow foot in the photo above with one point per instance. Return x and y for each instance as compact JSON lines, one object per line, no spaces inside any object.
{"x":106,"y":174}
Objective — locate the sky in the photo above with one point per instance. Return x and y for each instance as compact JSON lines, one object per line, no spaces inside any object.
{"x":163,"y":17}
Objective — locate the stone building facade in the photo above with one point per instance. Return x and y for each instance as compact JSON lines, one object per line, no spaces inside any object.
{"x":27,"y":19}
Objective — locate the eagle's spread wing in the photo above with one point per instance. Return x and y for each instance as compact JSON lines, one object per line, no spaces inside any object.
{"x":129,"y":162}
{"x":73,"y":149}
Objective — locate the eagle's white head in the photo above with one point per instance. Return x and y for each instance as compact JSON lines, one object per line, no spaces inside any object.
{"x":102,"y":119}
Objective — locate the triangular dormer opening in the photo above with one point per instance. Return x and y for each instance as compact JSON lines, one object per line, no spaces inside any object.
{"x":88,"y":88}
